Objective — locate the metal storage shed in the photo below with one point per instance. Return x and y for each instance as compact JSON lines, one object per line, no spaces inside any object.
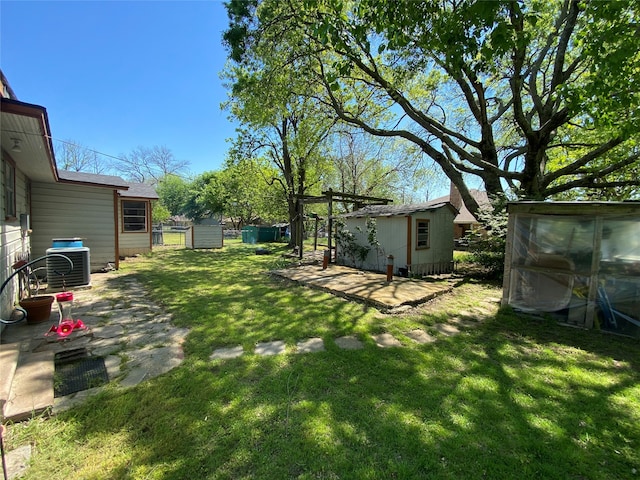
{"x":204,"y":236}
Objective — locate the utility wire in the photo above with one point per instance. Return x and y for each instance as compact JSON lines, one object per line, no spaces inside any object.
{"x":49,"y":137}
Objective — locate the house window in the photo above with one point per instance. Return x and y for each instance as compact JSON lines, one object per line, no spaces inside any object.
{"x":134,"y":216}
{"x":422,"y":234}
{"x":9,"y":184}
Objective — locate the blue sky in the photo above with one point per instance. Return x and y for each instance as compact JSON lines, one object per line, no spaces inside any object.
{"x":114,"y":75}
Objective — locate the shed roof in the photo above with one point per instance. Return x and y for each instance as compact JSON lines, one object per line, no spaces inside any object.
{"x":397,"y":210}
{"x":574,"y":208}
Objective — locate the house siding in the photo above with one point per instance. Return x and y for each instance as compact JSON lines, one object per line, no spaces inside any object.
{"x":133,"y":243}
{"x":13,"y":245}
{"x":440,"y":238}
{"x":61,"y":211}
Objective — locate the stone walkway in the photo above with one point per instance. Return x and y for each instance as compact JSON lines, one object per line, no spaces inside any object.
{"x":455,"y":325}
{"x":134,"y":336}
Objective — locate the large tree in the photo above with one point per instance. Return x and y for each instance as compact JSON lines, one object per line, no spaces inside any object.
{"x":173,"y":191}
{"x":378,"y":167}
{"x":73,"y":156}
{"x":538,"y":97}
{"x":149,"y":164}
{"x":283,"y":122}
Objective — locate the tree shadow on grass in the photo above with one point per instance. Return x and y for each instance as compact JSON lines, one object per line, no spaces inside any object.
{"x":227,"y":298}
{"x":479,"y":405}
{"x":512,"y":398}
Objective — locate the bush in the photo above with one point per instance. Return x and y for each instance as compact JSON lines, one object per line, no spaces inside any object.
{"x":487,"y":245}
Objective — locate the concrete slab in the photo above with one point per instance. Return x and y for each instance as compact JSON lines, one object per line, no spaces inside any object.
{"x":134,"y":376}
{"x":32,"y":387}
{"x":9,"y":354}
{"x":155,"y":349}
{"x":349,"y":342}
{"x":17,"y":461}
{"x":364,"y":286}
{"x":108,"y":331}
{"x":226,"y":353}
{"x":386,"y":340}
{"x":270,"y":348}
{"x":310,"y":345}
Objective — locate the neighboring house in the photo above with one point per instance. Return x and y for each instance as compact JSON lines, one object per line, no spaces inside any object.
{"x":419,"y":236}
{"x":464,"y":221}
{"x":39,"y":203}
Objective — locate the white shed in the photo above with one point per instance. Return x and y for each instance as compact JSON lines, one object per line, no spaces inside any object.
{"x":204,"y":236}
{"x":418,"y":236}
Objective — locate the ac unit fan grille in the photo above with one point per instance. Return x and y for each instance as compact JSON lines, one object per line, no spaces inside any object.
{"x":80,"y":275}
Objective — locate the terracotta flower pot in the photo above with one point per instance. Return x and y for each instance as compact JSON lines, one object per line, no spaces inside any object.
{"x":38,"y":308}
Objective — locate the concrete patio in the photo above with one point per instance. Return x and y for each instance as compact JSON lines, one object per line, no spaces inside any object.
{"x":368,"y":287}
{"x":134,"y":336}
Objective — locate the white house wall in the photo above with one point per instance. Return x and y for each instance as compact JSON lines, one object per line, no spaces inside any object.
{"x":440,"y":237}
{"x":392,"y":235}
{"x":13,"y":245}
{"x":63,"y":211}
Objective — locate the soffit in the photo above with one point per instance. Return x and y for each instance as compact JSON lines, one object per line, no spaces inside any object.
{"x":28,"y":123}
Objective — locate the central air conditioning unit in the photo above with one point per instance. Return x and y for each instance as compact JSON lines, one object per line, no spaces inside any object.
{"x":58,"y":268}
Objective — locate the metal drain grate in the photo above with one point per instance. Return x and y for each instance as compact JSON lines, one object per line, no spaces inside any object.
{"x":76,"y":371}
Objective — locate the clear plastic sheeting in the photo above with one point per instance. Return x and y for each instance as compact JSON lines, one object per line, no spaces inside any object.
{"x":583,"y":270}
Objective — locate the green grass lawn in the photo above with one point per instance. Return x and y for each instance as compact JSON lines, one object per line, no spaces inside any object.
{"x":515,"y":397}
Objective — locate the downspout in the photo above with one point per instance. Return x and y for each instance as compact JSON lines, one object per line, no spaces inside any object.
{"x":117,"y":228}
{"x":150,"y":225}
{"x":409,"y":235}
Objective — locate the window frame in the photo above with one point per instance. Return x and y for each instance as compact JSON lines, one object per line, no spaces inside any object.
{"x":420,"y":243}
{"x":126,"y":226}
{"x":9,"y":183}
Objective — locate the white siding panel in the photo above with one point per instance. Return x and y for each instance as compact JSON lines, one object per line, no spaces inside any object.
{"x":61,"y":211}
{"x":204,"y":236}
{"x":13,"y":245}
{"x":440,"y":238}
{"x":392,"y":237}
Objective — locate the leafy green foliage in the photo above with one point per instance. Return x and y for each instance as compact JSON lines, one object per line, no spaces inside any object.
{"x":173,"y":191}
{"x":487,"y":245}
{"x":348,"y":245}
{"x":160,"y":213}
{"x":500,"y":90}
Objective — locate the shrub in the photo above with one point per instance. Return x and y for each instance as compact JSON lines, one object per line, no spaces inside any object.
{"x":487,"y":244}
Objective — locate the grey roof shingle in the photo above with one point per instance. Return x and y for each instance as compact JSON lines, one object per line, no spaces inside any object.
{"x":92,"y":179}
{"x":140,"y":190}
{"x":395,"y":210}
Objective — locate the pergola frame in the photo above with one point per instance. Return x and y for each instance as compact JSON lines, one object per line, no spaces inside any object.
{"x":329,"y":197}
